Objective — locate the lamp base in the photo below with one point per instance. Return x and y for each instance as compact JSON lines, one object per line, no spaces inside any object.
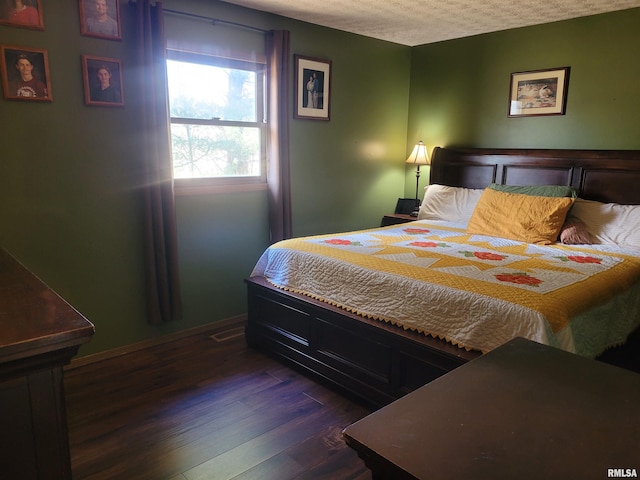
{"x":416,"y":208}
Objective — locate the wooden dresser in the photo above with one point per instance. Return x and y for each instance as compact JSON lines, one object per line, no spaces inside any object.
{"x":522,"y":411}
{"x":39,"y":334}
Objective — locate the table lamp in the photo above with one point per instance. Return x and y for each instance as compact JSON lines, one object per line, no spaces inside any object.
{"x":418,"y":157}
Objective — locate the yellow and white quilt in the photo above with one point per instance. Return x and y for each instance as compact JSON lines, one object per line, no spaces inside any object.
{"x":475,"y":291}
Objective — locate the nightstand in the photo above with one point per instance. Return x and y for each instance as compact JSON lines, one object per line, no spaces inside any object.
{"x":396,"y":218}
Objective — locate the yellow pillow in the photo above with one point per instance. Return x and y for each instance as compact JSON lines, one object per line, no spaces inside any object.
{"x":520,"y":217}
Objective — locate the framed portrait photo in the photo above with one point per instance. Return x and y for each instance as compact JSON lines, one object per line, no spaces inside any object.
{"x":101,"y":19}
{"x":102,"y":79}
{"x":312,"y":88}
{"x":22,"y":13}
{"x":538,"y":92}
{"x":25,"y":74}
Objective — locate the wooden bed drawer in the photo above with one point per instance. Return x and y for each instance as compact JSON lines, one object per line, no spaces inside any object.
{"x":415,"y":369}
{"x":286,"y":322}
{"x":354,"y":351}
{"x":377,"y":362}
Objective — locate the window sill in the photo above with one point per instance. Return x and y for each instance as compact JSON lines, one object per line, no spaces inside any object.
{"x":186,"y":188}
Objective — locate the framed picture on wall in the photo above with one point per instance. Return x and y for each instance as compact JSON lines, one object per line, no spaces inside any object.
{"x":312,"y":88}
{"x":25,"y":74}
{"x":100,"y":18}
{"x":102,"y":79}
{"x":22,"y":13}
{"x":538,"y":92}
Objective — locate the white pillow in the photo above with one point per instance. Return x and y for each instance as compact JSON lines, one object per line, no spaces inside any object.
{"x":452,"y":204}
{"x":610,"y":223}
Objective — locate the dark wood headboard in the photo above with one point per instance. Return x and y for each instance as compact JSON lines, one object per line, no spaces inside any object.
{"x":602,"y":175}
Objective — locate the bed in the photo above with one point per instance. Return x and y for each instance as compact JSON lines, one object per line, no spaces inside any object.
{"x":382,"y":347}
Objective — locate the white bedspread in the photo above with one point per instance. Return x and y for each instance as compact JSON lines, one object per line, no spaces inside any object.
{"x":393,"y":274}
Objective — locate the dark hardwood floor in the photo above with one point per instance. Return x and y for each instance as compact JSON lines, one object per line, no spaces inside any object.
{"x":206,"y":407}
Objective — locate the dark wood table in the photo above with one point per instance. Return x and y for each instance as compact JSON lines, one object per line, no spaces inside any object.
{"x":522,"y":411}
{"x":39,"y":334}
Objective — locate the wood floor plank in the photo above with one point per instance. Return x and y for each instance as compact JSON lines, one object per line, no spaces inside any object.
{"x":340,"y":467}
{"x":235,"y":461}
{"x":207,"y":409}
{"x":279,"y":466}
{"x":213,"y":439}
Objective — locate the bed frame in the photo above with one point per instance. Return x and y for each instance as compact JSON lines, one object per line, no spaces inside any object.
{"x":379,"y":362}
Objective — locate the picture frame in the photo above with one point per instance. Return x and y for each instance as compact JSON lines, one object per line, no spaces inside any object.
{"x":100,"y":19}
{"x":312,"y":88}
{"x":22,"y":13}
{"x":102,"y":80}
{"x":538,"y":92}
{"x":25,"y":74}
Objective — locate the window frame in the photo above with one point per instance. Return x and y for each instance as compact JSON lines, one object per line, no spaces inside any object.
{"x":186,"y":186}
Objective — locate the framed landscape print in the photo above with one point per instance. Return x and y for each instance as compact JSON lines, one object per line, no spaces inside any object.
{"x":22,"y":13}
{"x":100,"y":18}
{"x":312,"y":88}
{"x":539,"y":92}
{"x":25,"y":74}
{"x":102,"y":79}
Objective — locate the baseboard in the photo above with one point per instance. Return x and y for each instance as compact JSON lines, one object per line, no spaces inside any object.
{"x":227,"y":323}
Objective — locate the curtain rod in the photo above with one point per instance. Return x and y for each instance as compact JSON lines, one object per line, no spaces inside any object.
{"x":215,"y":21}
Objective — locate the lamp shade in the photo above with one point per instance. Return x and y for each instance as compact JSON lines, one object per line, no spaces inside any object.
{"x":419,"y":155}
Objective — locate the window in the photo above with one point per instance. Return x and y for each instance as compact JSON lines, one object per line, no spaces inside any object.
{"x":218,"y":124}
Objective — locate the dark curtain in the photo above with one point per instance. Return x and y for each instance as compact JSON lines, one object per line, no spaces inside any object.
{"x":160,"y":228}
{"x":278,"y":170}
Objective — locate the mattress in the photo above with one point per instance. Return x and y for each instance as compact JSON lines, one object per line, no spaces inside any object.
{"x":476,"y":292}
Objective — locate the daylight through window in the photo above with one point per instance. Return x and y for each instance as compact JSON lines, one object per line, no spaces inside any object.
{"x":217,"y":118}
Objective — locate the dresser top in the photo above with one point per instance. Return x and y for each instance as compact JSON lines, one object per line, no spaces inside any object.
{"x":33,"y":318}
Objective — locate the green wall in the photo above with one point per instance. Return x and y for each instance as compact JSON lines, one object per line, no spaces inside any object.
{"x":70,"y":178}
{"x":460,"y":88}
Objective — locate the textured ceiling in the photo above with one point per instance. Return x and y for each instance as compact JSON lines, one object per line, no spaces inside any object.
{"x":416,"y":22}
